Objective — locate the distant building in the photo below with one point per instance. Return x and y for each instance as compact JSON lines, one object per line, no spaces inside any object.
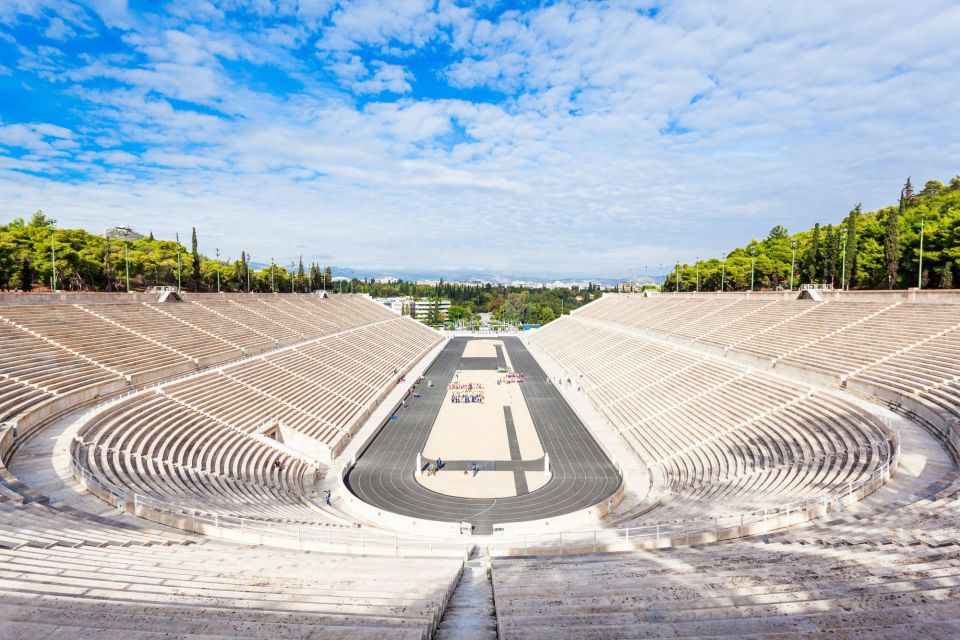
{"x":398,"y":304}
{"x":420,"y":309}
{"x":387,"y":280}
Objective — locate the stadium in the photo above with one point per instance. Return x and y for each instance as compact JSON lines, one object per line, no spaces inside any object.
{"x":479,"y":319}
{"x":682,"y":464}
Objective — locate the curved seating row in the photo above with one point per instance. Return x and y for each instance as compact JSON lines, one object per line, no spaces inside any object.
{"x":63,"y":576}
{"x":905,"y":352}
{"x":746,"y":590}
{"x":199,"y":442}
{"x":724,"y":438}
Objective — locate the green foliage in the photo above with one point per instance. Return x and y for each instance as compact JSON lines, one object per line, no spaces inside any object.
{"x":90,"y":262}
{"x":882,"y":248}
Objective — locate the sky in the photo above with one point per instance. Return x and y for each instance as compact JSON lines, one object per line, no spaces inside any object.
{"x":555,"y":138}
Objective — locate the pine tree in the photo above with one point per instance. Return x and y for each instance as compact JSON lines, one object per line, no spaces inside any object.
{"x":328,"y":278}
{"x":891,"y":244}
{"x":196,"y":260}
{"x":151,"y":236}
{"x":243,"y":271}
{"x":946,"y":276}
{"x":814,"y":253}
{"x":850,"y":264}
{"x":300,"y":273}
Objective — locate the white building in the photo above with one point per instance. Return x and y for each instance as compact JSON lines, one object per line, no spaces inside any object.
{"x":420,"y":309}
{"x":399,"y":304}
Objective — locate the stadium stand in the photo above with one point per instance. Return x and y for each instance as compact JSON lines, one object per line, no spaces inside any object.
{"x":734,"y":404}
{"x":901,"y":351}
{"x":725,"y":438}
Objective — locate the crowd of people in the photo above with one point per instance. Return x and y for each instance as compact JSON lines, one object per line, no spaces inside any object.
{"x":511,"y":376}
{"x":466,"y":392}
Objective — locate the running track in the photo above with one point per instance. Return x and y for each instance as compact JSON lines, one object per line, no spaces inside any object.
{"x":582,"y":474}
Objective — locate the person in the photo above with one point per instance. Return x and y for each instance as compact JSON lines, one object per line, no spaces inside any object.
{"x":326,"y":497}
{"x":278,"y":465}
{"x":439,"y":463}
{"x":474,"y":468}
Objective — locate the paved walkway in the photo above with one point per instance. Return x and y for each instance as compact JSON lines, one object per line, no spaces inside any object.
{"x":582,"y":474}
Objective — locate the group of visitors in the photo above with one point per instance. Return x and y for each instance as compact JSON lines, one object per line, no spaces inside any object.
{"x":466,"y":392}
{"x":511,"y":376}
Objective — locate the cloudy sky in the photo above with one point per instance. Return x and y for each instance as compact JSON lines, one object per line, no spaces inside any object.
{"x":515,"y":137}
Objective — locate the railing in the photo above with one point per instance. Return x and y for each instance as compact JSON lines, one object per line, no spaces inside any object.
{"x":816,"y":287}
{"x":160,"y":289}
{"x":699,"y":531}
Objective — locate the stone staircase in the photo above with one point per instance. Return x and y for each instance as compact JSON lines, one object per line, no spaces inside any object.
{"x":470,"y":613}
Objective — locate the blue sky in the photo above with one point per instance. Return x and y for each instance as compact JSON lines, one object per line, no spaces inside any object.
{"x":512,"y":137}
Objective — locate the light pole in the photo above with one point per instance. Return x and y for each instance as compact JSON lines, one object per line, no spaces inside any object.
{"x":793,"y":260}
{"x":753,"y":264}
{"x":678,"y":276}
{"x":53,"y":261}
{"x":273,"y":287}
{"x":247,"y":269}
{"x":723,"y":275}
{"x":179,"y":265}
{"x":218,"y":269}
{"x":292,"y":277}
{"x":698,"y":274}
{"x":920,"y":267}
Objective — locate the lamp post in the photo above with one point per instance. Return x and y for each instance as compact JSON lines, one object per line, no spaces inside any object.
{"x":126,"y":258}
{"x":698,"y":274}
{"x":753,"y":264}
{"x":793,"y":260}
{"x":218,"y":269}
{"x":179,"y":265}
{"x":247,"y":269}
{"x":53,"y":261}
{"x":723,"y":275}
{"x":292,"y":277}
{"x":678,"y":276}
{"x":273,"y":287}
{"x":920,"y":266}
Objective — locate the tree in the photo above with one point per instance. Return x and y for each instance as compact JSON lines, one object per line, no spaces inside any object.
{"x":891,"y":245}
{"x":779,"y":232}
{"x":195,"y":254}
{"x":946,"y":276}
{"x":850,"y":263}
{"x":814,"y":253}
{"x":300,"y":274}
{"x":26,"y":274}
{"x":829,"y":256}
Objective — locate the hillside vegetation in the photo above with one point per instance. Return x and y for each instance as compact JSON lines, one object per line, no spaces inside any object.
{"x":865,"y":250}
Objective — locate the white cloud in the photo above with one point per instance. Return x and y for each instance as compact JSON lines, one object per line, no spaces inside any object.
{"x":622,"y":139}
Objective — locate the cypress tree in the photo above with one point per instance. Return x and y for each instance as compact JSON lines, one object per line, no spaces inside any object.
{"x":829,"y":257}
{"x":851,"y":258}
{"x":26,"y":274}
{"x":300,"y":273}
{"x":814,"y":253}
{"x":196,"y":260}
{"x":243,"y":271}
{"x":946,"y":276}
{"x":891,"y":244}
